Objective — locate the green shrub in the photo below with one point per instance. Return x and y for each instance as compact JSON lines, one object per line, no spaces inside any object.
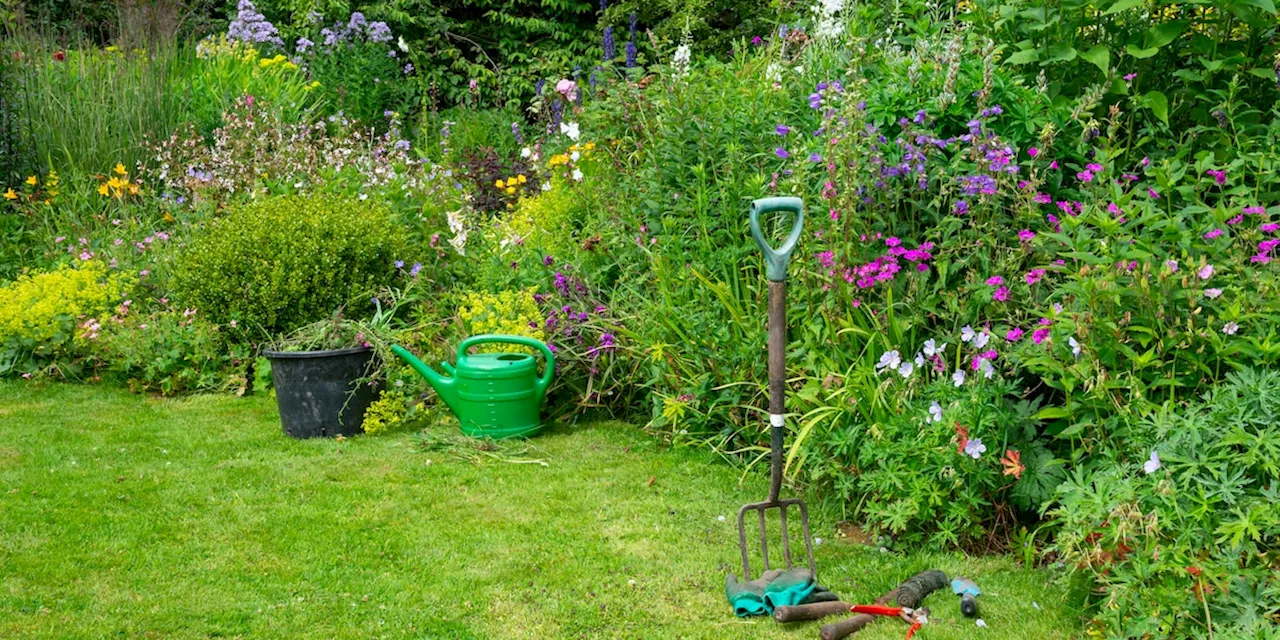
{"x":170,"y":352}
{"x":276,"y":264}
{"x":1179,"y":529}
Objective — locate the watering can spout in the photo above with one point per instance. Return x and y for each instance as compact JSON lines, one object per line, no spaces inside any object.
{"x":444,"y":386}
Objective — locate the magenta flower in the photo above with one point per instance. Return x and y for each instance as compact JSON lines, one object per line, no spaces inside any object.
{"x":827,"y":259}
{"x":892,"y":241}
{"x":1236,"y":220}
{"x":1026,"y":235}
{"x":1033,"y":152}
{"x":1270,"y":227}
{"x":1085,"y":176}
{"x":757,"y":40}
{"x":1213,"y":234}
{"x":1053,"y":165}
{"x":1001,"y":294}
{"x":1042,"y":198}
{"x":1254,"y":211}
{"x":1039,"y":335}
{"x":1033,"y":276}
{"x":1114,"y":209}
{"x":1128,"y":77}
{"x":995,"y":281}
{"x":1155,"y":195}
{"x":1219,"y":177}
{"x":1014,"y":334}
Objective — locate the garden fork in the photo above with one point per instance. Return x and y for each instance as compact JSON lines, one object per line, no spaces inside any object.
{"x":776,"y":272}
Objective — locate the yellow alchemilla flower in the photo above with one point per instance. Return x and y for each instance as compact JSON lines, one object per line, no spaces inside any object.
{"x":120,"y":169}
{"x":31,"y":180}
{"x":112,"y":49}
{"x":290,"y":66}
{"x":500,"y":184}
{"x":10,"y":195}
{"x":264,"y":63}
{"x":279,"y":58}
{"x":102,"y":189}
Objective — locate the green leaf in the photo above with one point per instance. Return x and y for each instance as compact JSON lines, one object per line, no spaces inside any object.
{"x":1264,"y":73}
{"x":1265,"y":5}
{"x":1060,"y":53}
{"x":1023,"y":57}
{"x":1051,"y":413}
{"x":1100,"y":56}
{"x":1140,"y":54}
{"x":1158,"y":104}
{"x":1122,"y":5}
{"x":1162,"y":34}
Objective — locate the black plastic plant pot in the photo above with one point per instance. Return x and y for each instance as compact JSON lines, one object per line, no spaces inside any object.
{"x":318,"y":393}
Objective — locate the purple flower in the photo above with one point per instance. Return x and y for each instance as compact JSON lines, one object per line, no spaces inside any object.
{"x":1039,"y":335}
{"x":610,"y":50}
{"x":781,"y":153}
{"x":814,"y":157}
{"x":757,"y":40}
{"x":1026,"y":235}
{"x":1219,"y":177}
{"x":399,"y":264}
{"x":782,"y":129}
{"x":974,"y":448}
{"x":827,"y":259}
{"x":417,"y":267}
{"x":1014,"y":334}
{"x":1205,"y":272}
{"x":251,"y":26}
{"x":548,"y":260}
{"x":302,"y":45}
{"x":961,"y":207}
{"x":1270,"y":227}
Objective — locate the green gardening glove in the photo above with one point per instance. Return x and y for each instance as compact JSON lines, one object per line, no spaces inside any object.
{"x":747,"y":598}
{"x":789,"y":588}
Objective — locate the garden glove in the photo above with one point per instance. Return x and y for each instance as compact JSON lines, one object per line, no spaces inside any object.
{"x":747,"y":598}
{"x":790,"y":588}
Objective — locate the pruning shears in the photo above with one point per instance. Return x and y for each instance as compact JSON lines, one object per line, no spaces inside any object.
{"x":914,"y":617}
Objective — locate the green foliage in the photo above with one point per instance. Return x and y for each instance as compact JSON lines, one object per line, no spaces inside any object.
{"x":169,"y":352}
{"x":1185,"y":548}
{"x":47,"y":319}
{"x":279,"y":263}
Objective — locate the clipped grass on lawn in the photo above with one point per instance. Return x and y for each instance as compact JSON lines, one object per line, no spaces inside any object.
{"x":127,"y":516}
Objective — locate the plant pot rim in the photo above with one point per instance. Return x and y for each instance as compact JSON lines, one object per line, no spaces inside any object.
{"x":299,"y":355}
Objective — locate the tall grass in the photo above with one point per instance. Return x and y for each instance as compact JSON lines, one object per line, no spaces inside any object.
{"x":88,"y":108}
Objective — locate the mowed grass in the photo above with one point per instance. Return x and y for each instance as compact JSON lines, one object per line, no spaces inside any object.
{"x":133,"y":517}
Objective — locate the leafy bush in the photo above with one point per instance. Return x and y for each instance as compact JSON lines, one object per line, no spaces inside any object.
{"x":51,"y":316}
{"x":171,"y":352}
{"x":1179,"y":527}
{"x":276,"y":264}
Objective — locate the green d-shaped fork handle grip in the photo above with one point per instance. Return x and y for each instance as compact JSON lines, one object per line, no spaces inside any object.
{"x":521,"y":340}
{"x":776,"y":259}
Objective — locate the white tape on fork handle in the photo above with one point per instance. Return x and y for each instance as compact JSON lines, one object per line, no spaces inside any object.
{"x":775,"y":419}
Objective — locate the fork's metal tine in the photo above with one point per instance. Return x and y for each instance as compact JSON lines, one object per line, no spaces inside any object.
{"x":808,"y":540}
{"x":742,"y":544}
{"x":764,"y":540}
{"x":786,"y":544}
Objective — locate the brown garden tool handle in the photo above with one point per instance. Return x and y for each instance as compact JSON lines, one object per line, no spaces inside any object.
{"x":910,"y":593}
{"x":814,"y":611}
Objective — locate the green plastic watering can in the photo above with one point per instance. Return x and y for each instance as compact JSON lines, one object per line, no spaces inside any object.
{"x":494,"y":395}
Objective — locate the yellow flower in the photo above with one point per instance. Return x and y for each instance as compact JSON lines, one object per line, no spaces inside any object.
{"x":10,"y":195}
{"x":500,"y":184}
{"x":290,"y":66}
{"x":168,"y":217}
{"x":31,"y":180}
{"x":133,"y":189}
{"x":102,"y":189}
{"x":521,"y":179}
{"x":112,"y":49}
{"x":511,"y":190}
{"x":115,"y":183}
{"x":120,"y":169}
{"x":264,"y":63}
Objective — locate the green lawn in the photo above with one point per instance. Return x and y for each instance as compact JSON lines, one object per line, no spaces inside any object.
{"x":133,"y":517}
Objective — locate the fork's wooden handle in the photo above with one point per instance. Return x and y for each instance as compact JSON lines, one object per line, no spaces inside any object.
{"x":814,"y":611}
{"x":910,"y":593}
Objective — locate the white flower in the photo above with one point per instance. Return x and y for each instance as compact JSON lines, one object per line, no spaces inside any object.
{"x":577,"y":175}
{"x":364,"y":196}
{"x":1230,"y":328}
{"x":890,"y":360}
{"x":966,"y":334}
{"x":404,"y":46}
{"x":935,"y":412}
{"x":574,"y":156}
{"x":681,"y":59}
{"x":526,"y":152}
{"x":919,"y":360}
{"x":981,"y":339}
{"x":1149,"y":467}
{"x":974,"y":448}
{"x":546,"y":186}
{"x":931,"y":348}
{"x":958,"y":377}
{"x":906,"y":368}
{"x":980,"y":623}
{"x":570,"y":129}
{"x":1075,"y":346}
{"x":986,"y":369}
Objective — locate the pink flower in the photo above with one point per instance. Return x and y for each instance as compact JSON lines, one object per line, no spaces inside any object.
{"x":1033,"y":276}
{"x":1155,"y":195}
{"x":995,"y":281}
{"x":1212,"y":294}
{"x":1053,"y":165}
{"x":1219,"y":177}
{"x":1205,"y":272}
{"x":1014,"y":334}
{"x":1270,"y":227}
{"x":1236,"y":220}
{"x":1039,"y":335}
{"x":1026,"y":235}
{"x":1213,"y":234}
{"x":892,"y":241}
{"x":1253,"y":211}
{"x":1042,"y":198}
{"x":1085,"y":176}
{"x":568,"y":89}
{"x":1114,"y":209}
{"x":1033,"y":152}
{"x":1094,"y":167}
{"x":1001,"y":294}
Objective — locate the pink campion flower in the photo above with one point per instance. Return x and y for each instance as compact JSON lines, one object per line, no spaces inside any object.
{"x":1205,"y":272}
{"x":1254,"y":211}
{"x":1085,"y":176}
{"x":1129,"y":177}
{"x":995,"y":281}
{"x":1094,"y":167}
{"x":1236,"y":220}
{"x":1033,"y":276}
{"x":1039,"y":335}
{"x":1033,"y":152}
{"x":892,"y":241}
{"x":1001,"y":294}
{"x":1270,"y":227}
{"x":1219,"y":177}
{"x":1057,"y":308}
{"x":1155,"y":195}
{"x":1042,"y":198}
{"x":1213,"y":234}
{"x":1267,"y":246}
{"x":1026,"y":235}
{"x":1014,"y":334}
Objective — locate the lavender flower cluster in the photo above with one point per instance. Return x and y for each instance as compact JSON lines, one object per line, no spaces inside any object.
{"x":357,"y":29}
{"x":253,"y":27}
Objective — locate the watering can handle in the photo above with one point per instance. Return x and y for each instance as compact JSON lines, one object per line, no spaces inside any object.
{"x":776,"y":259}
{"x":545,"y":381}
